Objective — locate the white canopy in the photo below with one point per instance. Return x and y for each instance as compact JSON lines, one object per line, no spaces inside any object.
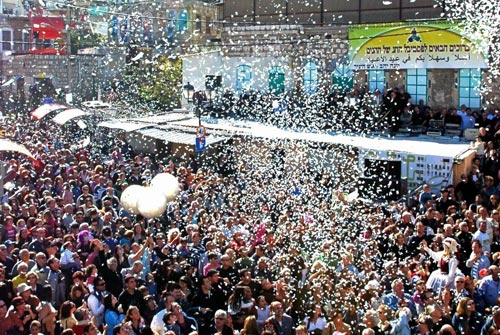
{"x":68,"y":114}
{"x":45,"y":109}
{"x":7,"y":145}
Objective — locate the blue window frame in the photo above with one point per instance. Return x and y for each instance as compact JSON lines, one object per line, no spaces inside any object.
{"x":276,"y":80}
{"x":342,"y":77}
{"x":469,"y":81}
{"x":416,"y":84}
{"x":311,"y":77}
{"x":376,"y":79}
{"x":243,"y":77}
{"x":171,"y":23}
{"x":182,"y":21}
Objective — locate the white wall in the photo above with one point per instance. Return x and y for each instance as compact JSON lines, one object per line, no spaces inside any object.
{"x":196,"y":67}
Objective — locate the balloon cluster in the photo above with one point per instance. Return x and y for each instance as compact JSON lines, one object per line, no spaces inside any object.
{"x":151,"y":201}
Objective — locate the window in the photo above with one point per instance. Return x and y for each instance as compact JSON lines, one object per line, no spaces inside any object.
{"x":243,"y":77}
{"x":310,"y":77}
{"x":26,"y":40}
{"x":342,"y":76}
{"x":276,"y":80}
{"x":198,"y":23}
{"x":416,"y":84}
{"x":170,"y":29}
{"x":376,"y":79}
{"x":6,"y":39}
{"x":182,"y":21}
{"x":469,"y":81}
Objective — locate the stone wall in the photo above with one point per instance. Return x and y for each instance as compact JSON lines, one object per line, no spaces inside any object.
{"x":294,"y":42}
{"x":84,"y":73}
{"x":34,"y":66}
{"x":443,"y":91}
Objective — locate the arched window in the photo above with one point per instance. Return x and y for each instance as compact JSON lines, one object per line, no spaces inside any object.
{"x":310,"y":77}
{"x":182,"y":20}
{"x":276,"y":80}
{"x":342,"y":76}
{"x":171,"y":24}
{"x":243,"y":77}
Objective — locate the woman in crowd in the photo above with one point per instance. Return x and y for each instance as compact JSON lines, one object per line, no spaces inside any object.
{"x":112,"y":316}
{"x":134,"y":319}
{"x":315,"y":321}
{"x":447,"y":262}
{"x":250,"y":326}
{"x":337,"y":326}
{"x":66,"y":315}
{"x":467,"y":321}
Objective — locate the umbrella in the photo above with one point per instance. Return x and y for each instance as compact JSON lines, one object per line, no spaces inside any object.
{"x":43,"y":110}
{"x":68,"y":114}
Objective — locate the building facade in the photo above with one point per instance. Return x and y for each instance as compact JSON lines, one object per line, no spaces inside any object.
{"x":34,"y":40}
{"x":325,"y":45}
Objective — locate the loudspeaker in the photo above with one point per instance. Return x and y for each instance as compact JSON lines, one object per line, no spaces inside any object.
{"x":213,"y":82}
{"x":377,"y":188}
{"x":382,"y":168}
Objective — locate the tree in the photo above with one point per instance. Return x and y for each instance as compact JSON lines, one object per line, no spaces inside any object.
{"x":155,"y":84}
{"x":82,"y":38}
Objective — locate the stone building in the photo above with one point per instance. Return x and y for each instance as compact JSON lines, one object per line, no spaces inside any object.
{"x":304,"y":47}
{"x":167,"y":27}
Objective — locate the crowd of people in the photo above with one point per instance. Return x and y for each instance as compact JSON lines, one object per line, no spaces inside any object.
{"x":254,"y":251}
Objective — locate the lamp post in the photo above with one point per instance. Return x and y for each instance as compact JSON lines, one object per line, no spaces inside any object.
{"x":193,"y":97}
{"x":188,"y":91}
{"x":94,"y":92}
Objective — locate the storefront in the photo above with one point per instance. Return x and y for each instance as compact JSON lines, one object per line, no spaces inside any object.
{"x":431,"y":60}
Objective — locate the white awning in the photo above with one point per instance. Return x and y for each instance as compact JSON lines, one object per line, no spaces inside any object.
{"x":174,"y":136}
{"x":123,"y":125}
{"x":7,"y":145}
{"x":43,"y":110}
{"x":68,"y":114}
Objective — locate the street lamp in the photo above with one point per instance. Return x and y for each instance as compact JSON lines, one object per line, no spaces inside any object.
{"x":193,"y":97}
{"x":198,"y":98}
{"x":188,"y":92}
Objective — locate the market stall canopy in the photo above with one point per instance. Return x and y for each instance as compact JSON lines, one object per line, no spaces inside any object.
{"x":123,"y":125}
{"x":179,"y":137}
{"x":43,"y":110}
{"x":68,"y":114}
{"x":7,"y":145}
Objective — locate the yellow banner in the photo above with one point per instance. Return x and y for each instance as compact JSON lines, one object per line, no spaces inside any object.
{"x":412,"y":47}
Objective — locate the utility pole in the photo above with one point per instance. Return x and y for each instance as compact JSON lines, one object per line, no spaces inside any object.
{"x":68,"y":46}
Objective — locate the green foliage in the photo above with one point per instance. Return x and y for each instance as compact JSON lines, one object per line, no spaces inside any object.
{"x":84,"y":38}
{"x":157,"y":85}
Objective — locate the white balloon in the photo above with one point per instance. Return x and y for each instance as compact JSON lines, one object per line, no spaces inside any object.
{"x":130,"y":197}
{"x":152,"y":203}
{"x":167,"y":184}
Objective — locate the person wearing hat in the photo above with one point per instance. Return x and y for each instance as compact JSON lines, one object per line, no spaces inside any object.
{"x":25,"y":292}
{"x":447,"y":260}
